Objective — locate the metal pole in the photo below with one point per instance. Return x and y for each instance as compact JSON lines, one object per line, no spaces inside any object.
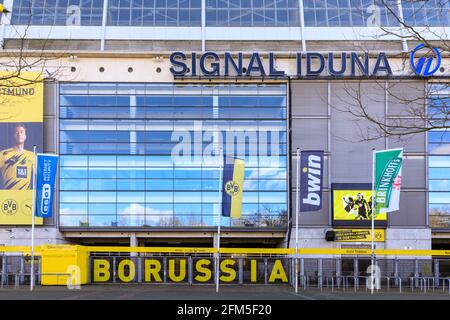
{"x":297,"y":206}
{"x":373,"y":219}
{"x":32,"y":221}
{"x":219,"y":213}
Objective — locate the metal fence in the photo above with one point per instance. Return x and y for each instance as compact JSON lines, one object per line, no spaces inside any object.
{"x":341,"y":273}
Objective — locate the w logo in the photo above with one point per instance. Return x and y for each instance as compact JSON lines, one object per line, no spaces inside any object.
{"x":424,"y":65}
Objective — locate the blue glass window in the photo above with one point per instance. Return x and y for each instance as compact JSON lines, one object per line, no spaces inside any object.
{"x":155,"y":163}
{"x":252,"y":13}
{"x":439,"y":159}
{"x":58,"y":12}
{"x":154,"y":13}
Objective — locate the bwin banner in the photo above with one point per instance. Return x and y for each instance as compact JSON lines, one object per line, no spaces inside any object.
{"x":311,"y":181}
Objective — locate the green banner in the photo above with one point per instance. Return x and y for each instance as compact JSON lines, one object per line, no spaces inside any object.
{"x":388,"y":175}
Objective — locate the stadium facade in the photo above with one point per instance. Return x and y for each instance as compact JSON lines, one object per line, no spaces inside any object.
{"x":137,"y":83}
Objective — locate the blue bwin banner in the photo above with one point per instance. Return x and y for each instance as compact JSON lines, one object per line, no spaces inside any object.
{"x":47,"y":165}
{"x":311,"y":180}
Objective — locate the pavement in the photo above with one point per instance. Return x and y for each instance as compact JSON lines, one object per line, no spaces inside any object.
{"x":207,"y":292}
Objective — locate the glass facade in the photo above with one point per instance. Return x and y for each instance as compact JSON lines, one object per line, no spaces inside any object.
{"x":247,"y":13}
{"x":135,"y":155}
{"x":439,"y":158}
{"x":236,"y":13}
{"x":344,"y":13}
{"x":426,"y":13}
{"x":154,"y":12}
{"x":57,"y":12}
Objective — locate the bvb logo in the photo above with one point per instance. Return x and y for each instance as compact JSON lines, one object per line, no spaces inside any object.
{"x":378,"y":236}
{"x":232,"y":188}
{"x":9,"y":207}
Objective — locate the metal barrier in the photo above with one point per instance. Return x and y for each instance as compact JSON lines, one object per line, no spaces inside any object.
{"x":336,"y":273}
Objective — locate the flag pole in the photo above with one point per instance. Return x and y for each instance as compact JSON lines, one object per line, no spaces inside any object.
{"x":32,"y":221}
{"x":296,"y":219}
{"x":373,"y":217}
{"x":219,"y":212}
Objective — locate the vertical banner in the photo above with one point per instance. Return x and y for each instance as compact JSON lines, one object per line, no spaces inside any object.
{"x":388,"y":178}
{"x":311,"y":180}
{"x":232,"y":187}
{"x":21,"y":123}
{"x":45,"y":184}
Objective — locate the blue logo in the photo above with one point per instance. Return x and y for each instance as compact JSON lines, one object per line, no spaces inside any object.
{"x":423,"y":65}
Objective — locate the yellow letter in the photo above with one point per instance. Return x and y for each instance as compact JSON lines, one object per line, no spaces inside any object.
{"x":121,"y":270}
{"x":278,"y":272}
{"x":152,"y":268}
{"x":182,"y":274}
{"x":253,"y":270}
{"x":201,"y":266}
{"x":225,"y":267}
{"x":101,"y":270}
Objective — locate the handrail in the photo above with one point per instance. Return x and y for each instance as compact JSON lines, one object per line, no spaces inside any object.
{"x":25,"y":250}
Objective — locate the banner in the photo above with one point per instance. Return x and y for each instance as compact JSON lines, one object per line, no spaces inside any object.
{"x":45,"y":184}
{"x":358,"y":235}
{"x":232,"y":188}
{"x":352,"y":205}
{"x":21,"y":123}
{"x":311,"y":180}
{"x":388,"y":178}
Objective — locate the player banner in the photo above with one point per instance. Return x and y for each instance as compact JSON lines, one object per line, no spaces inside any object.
{"x":388,"y":177}
{"x":352,"y":205}
{"x":45,"y":184}
{"x":21,"y":123}
{"x":232,"y":188}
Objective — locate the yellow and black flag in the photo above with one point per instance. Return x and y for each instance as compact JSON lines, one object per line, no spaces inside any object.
{"x":233,"y":187}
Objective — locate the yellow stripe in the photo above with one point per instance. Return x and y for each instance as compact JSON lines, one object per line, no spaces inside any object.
{"x":238,"y":177}
{"x":242,"y":251}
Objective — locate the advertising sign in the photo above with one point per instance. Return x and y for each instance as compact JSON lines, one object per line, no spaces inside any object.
{"x":45,"y":184}
{"x":311,"y":180}
{"x":352,"y":205}
{"x":177,"y":270}
{"x":21,"y":123}
{"x":232,"y":189}
{"x":388,"y":179}
{"x":358,"y":235}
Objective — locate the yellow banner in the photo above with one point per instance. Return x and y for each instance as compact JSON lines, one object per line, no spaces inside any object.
{"x":354,"y":205}
{"x":238,"y":178}
{"x":21,"y":127}
{"x":358,"y":235}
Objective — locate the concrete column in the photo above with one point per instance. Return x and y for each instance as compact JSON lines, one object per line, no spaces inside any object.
{"x":436,"y":272}
{"x":133,"y":243}
{"x":302,"y":24}
{"x":416,"y":272}
{"x":139,"y":269}
{"x":266,"y":271}
{"x":165,"y":269}
{"x":241,"y":271}
{"x":302,"y":271}
{"x":203,"y":25}
{"x":22,"y":269}
{"x":320,"y":272}
{"x":215,"y":239}
{"x":338,"y":271}
{"x":190,"y":270}
{"x":89,"y":270}
{"x":114,"y":269}
{"x":3,"y":270}
{"x":396,"y":272}
{"x":104,"y":21}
